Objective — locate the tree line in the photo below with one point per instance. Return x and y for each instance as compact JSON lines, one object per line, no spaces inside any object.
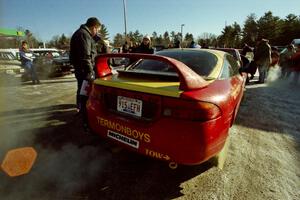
{"x":278,"y":31}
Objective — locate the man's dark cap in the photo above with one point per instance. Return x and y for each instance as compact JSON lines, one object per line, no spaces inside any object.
{"x":92,"y":21}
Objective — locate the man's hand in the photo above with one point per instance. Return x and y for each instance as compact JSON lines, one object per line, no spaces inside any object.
{"x":90,"y":76}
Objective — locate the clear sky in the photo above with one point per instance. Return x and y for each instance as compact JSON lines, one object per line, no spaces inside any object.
{"x":47,"y":18}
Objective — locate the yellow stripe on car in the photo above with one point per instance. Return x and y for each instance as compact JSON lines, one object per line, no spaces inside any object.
{"x":148,"y":86}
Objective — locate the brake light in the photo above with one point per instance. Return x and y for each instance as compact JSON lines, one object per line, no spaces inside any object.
{"x":190,"y":110}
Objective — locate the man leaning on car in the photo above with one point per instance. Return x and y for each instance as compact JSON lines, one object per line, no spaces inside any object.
{"x":82,"y":55}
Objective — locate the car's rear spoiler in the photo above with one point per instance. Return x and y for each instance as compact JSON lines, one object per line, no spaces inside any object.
{"x":189,"y":80}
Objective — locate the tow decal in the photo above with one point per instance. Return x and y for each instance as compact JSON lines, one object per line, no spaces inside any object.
{"x":155,"y":154}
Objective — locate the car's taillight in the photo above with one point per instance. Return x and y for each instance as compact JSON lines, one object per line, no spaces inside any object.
{"x":190,"y":110}
{"x":102,"y":67}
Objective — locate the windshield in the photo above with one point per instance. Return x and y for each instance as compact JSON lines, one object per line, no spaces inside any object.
{"x":7,"y":56}
{"x":202,"y":62}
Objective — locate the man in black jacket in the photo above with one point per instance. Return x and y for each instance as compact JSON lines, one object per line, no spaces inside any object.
{"x":82,"y":55}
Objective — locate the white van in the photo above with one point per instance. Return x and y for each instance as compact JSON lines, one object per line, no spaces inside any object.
{"x":9,"y":64}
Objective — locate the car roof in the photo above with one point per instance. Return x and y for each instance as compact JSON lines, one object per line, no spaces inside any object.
{"x":296,"y":41}
{"x":45,"y":50}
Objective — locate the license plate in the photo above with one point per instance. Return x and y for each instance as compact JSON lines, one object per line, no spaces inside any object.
{"x":130,"y":106}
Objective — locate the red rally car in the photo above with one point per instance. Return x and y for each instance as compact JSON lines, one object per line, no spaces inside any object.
{"x":176,"y":105}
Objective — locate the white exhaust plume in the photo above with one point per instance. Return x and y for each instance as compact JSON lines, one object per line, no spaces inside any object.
{"x":274,"y":73}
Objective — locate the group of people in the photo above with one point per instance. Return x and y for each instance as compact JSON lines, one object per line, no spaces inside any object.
{"x":266,"y":57}
{"x":290,"y":62}
{"x":144,"y":47}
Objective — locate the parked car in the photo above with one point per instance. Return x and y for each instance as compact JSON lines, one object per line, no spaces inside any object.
{"x":279,"y":48}
{"x":9,"y":63}
{"x":176,"y":105}
{"x":50,"y":62}
{"x":295,"y":42}
{"x":61,"y":65}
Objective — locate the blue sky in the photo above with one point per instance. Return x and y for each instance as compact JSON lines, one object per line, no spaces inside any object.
{"x":47,"y":18}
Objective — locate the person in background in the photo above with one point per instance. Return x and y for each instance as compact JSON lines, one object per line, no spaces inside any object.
{"x":101,"y":45}
{"x":125,"y":47}
{"x":194,"y":45}
{"x":145,"y":46}
{"x":274,"y":56}
{"x":286,"y":62}
{"x":82,"y":56}
{"x":176,"y":44}
{"x":296,"y":66}
{"x":133,"y":46}
{"x":246,"y":48}
{"x":27,"y":62}
{"x":262,"y":58}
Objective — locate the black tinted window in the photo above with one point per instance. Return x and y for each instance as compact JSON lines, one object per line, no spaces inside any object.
{"x":230,"y":67}
{"x":226,"y":71}
{"x":201,"y":62}
{"x":234,"y":64}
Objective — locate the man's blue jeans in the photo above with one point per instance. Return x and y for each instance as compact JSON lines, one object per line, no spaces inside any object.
{"x":31,"y":69}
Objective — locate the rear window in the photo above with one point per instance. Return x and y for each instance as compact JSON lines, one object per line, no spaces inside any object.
{"x":201,"y":62}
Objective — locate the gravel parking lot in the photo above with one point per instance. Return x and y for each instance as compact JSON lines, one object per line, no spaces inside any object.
{"x":263,"y":161}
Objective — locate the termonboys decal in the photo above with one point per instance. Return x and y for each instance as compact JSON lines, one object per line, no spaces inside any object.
{"x":123,"y":139}
{"x":133,"y":133}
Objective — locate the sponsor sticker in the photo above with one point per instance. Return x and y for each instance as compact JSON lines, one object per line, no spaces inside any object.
{"x":122,"y":138}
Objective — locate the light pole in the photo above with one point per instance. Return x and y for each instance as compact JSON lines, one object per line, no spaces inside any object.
{"x":125,"y":18}
{"x":182,"y":25}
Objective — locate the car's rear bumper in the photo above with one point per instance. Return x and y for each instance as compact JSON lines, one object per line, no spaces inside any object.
{"x":181,"y":141}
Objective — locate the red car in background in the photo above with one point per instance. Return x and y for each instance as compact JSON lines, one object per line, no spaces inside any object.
{"x":176,"y":105}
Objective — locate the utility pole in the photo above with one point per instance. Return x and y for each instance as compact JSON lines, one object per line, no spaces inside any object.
{"x":182,"y":25}
{"x":125,"y":18}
